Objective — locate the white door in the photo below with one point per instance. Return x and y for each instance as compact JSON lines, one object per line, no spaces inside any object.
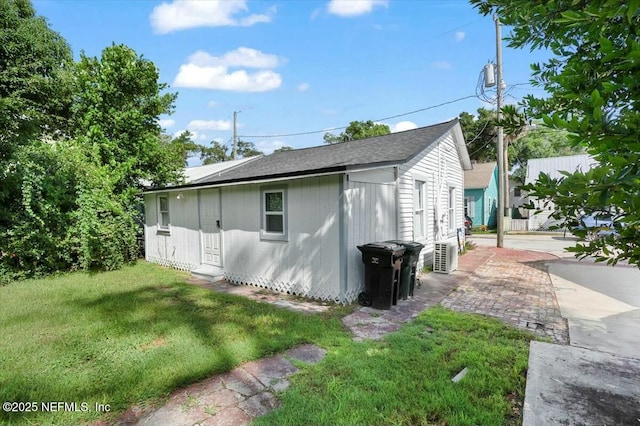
{"x":210,"y":225}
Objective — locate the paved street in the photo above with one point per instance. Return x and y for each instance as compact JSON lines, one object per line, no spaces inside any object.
{"x":553,"y":244}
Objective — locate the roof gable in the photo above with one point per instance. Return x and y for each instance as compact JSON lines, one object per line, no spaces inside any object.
{"x":480,"y":176}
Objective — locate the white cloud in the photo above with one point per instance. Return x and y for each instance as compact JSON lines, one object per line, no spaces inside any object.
{"x":205,"y":71}
{"x":212,"y":104}
{"x":347,"y":8}
{"x":459,"y":35}
{"x":209,"y":125}
{"x":402,"y":126}
{"x":441,"y":65}
{"x":181,"y":15}
{"x":241,"y":57}
{"x":269,"y":146}
{"x":303,"y":87}
{"x":166,"y":123}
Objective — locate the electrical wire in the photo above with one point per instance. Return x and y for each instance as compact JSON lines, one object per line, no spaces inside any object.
{"x":283,"y":135}
{"x":480,"y":94}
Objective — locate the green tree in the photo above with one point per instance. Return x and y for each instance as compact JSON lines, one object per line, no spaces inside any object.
{"x":284,"y":148}
{"x":539,"y":141}
{"x":594,"y":85}
{"x":115,"y":116}
{"x":217,"y":152}
{"x":35,"y":87}
{"x":181,"y":147}
{"x":480,"y":134}
{"x":357,"y":130}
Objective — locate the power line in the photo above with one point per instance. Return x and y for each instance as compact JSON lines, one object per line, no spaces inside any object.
{"x":331,"y":129}
{"x":283,"y":135}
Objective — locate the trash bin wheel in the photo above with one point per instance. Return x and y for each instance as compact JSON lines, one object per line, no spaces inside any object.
{"x":364,"y":298}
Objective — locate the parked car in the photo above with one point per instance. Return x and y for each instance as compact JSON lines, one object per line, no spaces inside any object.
{"x":468,"y":224}
{"x":597,"y":225}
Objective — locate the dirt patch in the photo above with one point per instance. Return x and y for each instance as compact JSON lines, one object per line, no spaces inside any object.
{"x":156,"y":343}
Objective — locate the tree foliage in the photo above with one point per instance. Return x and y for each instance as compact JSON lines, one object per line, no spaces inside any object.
{"x":35,"y":87}
{"x":539,"y":141}
{"x":524,"y":141}
{"x":77,"y":141}
{"x":357,"y":130}
{"x":115,"y":116}
{"x":217,"y":152}
{"x":480,"y":133}
{"x":594,"y":86}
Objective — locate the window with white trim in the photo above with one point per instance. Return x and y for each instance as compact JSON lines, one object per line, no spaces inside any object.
{"x":452,"y":209}
{"x":164,"y":218}
{"x":419,"y":211}
{"x":274,"y":214}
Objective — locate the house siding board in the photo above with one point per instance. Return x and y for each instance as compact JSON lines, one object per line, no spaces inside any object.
{"x":370,"y":216}
{"x":308,"y":263}
{"x":180,"y":247}
{"x":440,"y":165}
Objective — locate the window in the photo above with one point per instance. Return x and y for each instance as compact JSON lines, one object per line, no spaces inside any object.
{"x":418,"y":207}
{"x":163,"y":212}
{"x":274,"y":216}
{"x":452,"y":209}
{"x":517,"y":192}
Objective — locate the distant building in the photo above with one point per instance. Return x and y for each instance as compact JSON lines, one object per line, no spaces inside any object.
{"x":552,"y":167}
{"x":481,"y":194}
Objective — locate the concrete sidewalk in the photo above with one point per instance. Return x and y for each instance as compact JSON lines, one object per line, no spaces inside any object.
{"x":570,"y":386}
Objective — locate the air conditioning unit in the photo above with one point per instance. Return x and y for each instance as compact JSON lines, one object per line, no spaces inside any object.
{"x":445,"y":257}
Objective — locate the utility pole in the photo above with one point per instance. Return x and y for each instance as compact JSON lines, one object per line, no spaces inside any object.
{"x":235,"y":135}
{"x":500,"y":142}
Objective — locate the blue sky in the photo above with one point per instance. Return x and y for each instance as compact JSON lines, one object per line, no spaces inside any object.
{"x":300,"y":66}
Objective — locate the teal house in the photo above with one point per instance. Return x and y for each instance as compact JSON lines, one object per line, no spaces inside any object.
{"x":481,"y":194}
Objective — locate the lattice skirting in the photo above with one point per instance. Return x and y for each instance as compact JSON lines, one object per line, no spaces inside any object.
{"x":325,"y":294}
{"x":182,"y":266}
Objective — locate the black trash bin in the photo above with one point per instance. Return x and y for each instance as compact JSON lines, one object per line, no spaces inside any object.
{"x":409,"y":267}
{"x":382,"y":264}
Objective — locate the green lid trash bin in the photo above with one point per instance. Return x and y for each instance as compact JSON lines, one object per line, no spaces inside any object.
{"x":409,"y":267}
{"x":382,"y":264}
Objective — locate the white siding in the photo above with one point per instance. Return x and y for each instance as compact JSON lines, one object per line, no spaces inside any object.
{"x":180,"y":246}
{"x":308,"y":263}
{"x":370,"y":216}
{"x":440,"y":168}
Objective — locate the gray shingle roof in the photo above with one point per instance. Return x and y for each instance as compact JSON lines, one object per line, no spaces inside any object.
{"x":480,"y":176}
{"x":395,"y":148}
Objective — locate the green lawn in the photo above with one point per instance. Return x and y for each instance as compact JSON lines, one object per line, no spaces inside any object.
{"x":132,"y":336}
{"x":405,"y":379}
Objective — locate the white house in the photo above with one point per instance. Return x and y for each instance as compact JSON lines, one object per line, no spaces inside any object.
{"x":291,"y":221}
{"x":553,"y":167}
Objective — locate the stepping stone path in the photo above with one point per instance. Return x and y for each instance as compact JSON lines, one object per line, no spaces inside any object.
{"x":233,"y":398}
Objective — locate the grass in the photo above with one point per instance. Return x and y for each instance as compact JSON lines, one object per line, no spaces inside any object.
{"x":131,"y":337}
{"x":406,"y":378}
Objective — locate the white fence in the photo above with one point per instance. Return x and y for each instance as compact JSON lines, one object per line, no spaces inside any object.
{"x":519,"y":225}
